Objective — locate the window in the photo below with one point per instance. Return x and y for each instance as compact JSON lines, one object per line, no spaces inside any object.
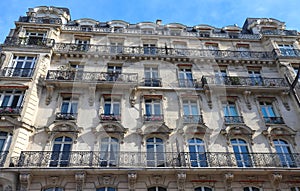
{"x":113,"y":72}
{"x":286,"y":49}
{"x":157,"y":189}
{"x":212,"y":46}
{"x":269,"y":114}
{"x":191,"y":112}
{"x":5,"y":141}
{"x":284,"y":153}
{"x":68,"y":109}
{"x":61,"y":151}
{"x":153,"y":110}
{"x":111,"y":109}
{"x":155,"y":152}
{"x":197,"y":153}
{"x":186,"y":77}
{"x":106,"y":189}
{"x":54,"y":189}
{"x":86,"y":28}
{"x":251,"y":189}
{"x":243,"y":50}
{"x":221,"y":75}
{"x":255,"y":77}
{"x":21,"y":66}
{"x":151,"y":77}
{"x":241,"y":152}
{"x":149,"y":49}
{"x":203,"y":189}
{"x":11,"y":101}
{"x":35,"y":38}
{"x":82,"y":44}
{"x":116,"y":47}
{"x":109,"y":152}
{"x":295,"y":189}
{"x":231,"y":114}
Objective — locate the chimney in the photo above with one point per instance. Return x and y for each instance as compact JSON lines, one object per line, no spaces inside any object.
{"x":158,"y":22}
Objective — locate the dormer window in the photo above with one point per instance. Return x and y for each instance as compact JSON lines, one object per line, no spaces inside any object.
{"x":86,"y":28}
{"x":175,"y":32}
{"x":35,"y":38}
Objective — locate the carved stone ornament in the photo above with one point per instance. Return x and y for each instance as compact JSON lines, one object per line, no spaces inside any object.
{"x":24,"y":181}
{"x":181,"y":178}
{"x":276,"y":180}
{"x":228,"y":180}
{"x":247,"y":99}
{"x":80,"y":179}
{"x":92,"y":95}
{"x":132,"y":177}
{"x":49,"y":94}
{"x":208,"y":97}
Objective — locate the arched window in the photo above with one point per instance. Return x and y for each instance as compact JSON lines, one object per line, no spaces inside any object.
{"x":106,"y":189}
{"x":251,"y":189}
{"x":157,"y":188}
{"x":5,"y":141}
{"x":284,"y":152}
{"x":203,"y":189}
{"x":109,"y":151}
{"x":61,"y":151}
{"x":241,"y":152}
{"x":295,"y":189}
{"x":155,"y":152}
{"x":54,"y":189}
{"x":197,"y":153}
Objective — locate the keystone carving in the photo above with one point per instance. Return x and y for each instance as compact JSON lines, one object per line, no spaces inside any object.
{"x":181,"y":178}
{"x":276,"y":180}
{"x":24,"y":181}
{"x":132,"y":177}
{"x":80,"y":178}
{"x":228,"y":180}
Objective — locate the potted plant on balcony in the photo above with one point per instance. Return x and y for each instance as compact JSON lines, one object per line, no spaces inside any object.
{"x":234,"y":80}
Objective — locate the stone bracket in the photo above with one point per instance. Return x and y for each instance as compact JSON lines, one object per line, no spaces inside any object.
{"x":132,"y":177}
{"x":49,"y":94}
{"x":181,"y":178}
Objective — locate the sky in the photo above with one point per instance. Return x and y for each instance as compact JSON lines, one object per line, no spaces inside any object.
{"x":217,"y":13}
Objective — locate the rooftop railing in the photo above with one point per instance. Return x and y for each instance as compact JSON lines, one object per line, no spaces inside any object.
{"x":41,"y":20}
{"x":161,"y":51}
{"x":29,"y":41}
{"x":109,"y":159}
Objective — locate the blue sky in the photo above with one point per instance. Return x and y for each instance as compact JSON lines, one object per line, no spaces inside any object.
{"x":217,"y":13}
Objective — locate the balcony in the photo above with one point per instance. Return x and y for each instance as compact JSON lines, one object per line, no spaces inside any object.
{"x":98,"y":77}
{"x":110,"y":117}
{"x":162,"y":52}
{"x":66,"y":116}
{"x":244,"y":81}
{"x":287,"y":53}
{"x":188,"y":83}
{"x":192,"y":119}
{"x":280,"y":32}
{"x":153,"y":118}
{"x":10,"y":111}
{"x":96,"y":159}
{"x":17,"y":72}
{"x":273,"y":120}
{"x":3,"y":156}
{"x":233,"y":119}
{"x":40,"y":20}
{"x":29,"y":42}
{"x":152,"y":82}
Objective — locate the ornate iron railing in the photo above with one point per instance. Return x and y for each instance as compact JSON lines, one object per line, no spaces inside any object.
{"x":110,"y":117}
{"x":153,"y":118}
{"x":280,"y":32}
{"x":244,"y":81}
{"x":66,"y":116}
{"x":188,"y":83}
{"x":152,"y":82}
{"x":162,"y":51}
{"x":287,"y":52}
{"x":99,"y":77}
{"x":17,"y":72}
{"x":37,"y":159}
{"x":10,"y":110}
{"x":195,"y":119}
{"x":29,"y":41}
{"x":43,"y":20}
{"x":233,"y":119}
{"x":274,"y":120}
{"x":3,"y":156}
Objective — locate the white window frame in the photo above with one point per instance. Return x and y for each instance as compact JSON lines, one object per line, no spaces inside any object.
{"x":251,"y":188}
{"x":202,"y":188}
{"x":71,"y":103}
{"x":116,"y":47}
{"x":287,"y":49}
{"x":12,"y":94}
{"x":240,"y":152}
{"x":60,"y":153}
{"x":112,"y":102}
{"x":108,"y":152}
{"x":20,"y":64}
{"x":159,"y":158}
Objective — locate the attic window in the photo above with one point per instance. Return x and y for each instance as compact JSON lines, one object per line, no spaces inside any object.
{"x":86,"y":28}
{"x":211,"y":45}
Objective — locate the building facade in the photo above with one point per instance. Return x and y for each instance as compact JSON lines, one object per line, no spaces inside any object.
{"x":113,"y":106}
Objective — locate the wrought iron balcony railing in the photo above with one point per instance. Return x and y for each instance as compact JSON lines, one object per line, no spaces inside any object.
{"x":287,"y":52}
{"x":274,"y":120}
{"x":162,"y":51}
{"x":192,"y":119}
{"x":233,"y":119}
{"x":7,"y":110}
{"x":153,"y":118}
{"x":100,"y":77}
{"x":280,"y":32}
{"x":17,"y":72}
{"x":37,"y":159}
{"x":110,"y":117}
{"x":66,"y":116}
{"x":29,"y":41}
{"x":244,"y":81}
{"x":3,"y":156}
{"x":41,"y":20}
{"x":188,"y":83}
{"x":152,"y":82}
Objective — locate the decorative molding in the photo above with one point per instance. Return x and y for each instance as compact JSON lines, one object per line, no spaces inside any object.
{"x":181,"y":178}
{"x":284,"y":99}
{"x":208,"y":94}
{"x":49,"y":94}
{"x":276,"y":179}
{"x":80,"y":179}
{"x":228,"y":178}
{"x":132,"y":177}
{"x":247,"y":99}
{"x":25,"y":179}
{"x":280,"y":131}
{"x":232,"y":131}
{"x":92,"y":91}
{"x":132,"y":97}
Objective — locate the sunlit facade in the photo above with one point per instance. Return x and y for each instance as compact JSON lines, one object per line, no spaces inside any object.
{"x":88,"y":105}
